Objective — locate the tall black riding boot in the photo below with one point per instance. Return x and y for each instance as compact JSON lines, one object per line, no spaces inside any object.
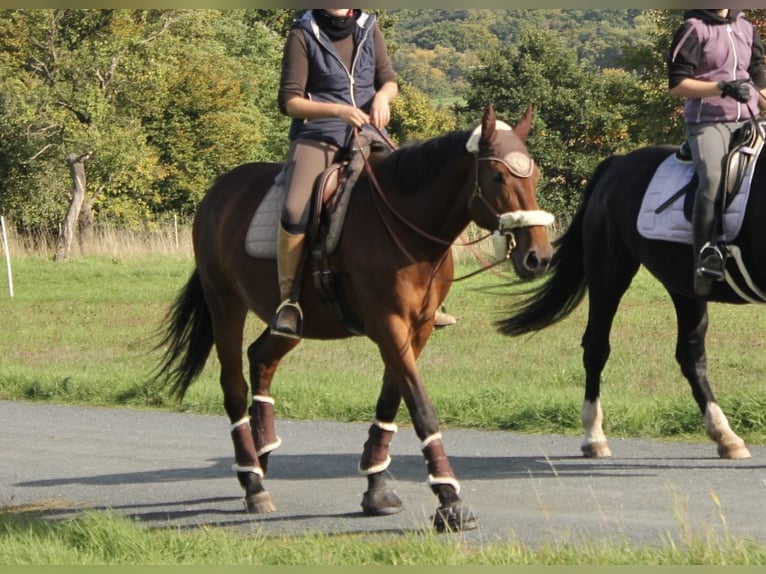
{"x":709,"y":259}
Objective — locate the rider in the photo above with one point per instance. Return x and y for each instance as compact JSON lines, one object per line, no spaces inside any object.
{"x":716,"y":63}
{"x":336,"y":76}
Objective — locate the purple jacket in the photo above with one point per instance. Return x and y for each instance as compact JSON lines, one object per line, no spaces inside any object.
{"x":709,"y":47}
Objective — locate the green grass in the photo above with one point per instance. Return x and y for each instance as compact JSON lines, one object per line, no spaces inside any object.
{"x":81,"y":333}
{"x":105,"y":538}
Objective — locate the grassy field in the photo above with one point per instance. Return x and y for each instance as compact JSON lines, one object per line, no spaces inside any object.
{"x":81,"y":333}
{"x":98,"y":538}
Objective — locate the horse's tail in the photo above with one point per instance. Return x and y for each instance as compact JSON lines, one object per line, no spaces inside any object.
{"x":187,"y":338}
{"x":564,"y":288}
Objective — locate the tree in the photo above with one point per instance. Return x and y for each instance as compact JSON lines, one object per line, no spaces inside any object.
{"x":581,"y":114}
{"x":414,"y":118}
{"x":145,"y":106}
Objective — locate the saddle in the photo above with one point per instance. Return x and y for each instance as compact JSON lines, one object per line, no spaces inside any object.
{"x":743,"y":151}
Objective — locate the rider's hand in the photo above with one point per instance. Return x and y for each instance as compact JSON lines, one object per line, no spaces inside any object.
{"x":380,"y":111}
{"x":354,"y":117}
{"x":736,"y":89}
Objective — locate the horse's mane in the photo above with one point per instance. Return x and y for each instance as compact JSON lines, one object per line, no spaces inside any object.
{"x":416,"y":164}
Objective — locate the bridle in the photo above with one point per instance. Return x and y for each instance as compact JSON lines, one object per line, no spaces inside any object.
{"x":503,"y":239}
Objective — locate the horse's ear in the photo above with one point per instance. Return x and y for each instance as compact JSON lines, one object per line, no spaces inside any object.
{"x":488,"y":124}
{"x":523,"y":126}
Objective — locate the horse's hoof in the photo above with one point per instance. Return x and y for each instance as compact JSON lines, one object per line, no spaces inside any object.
{"x":454,"y":518}
{"x":380,"y":502}
{"x":596,"y":450}
{"x":260,"y":503}
{"x":735,"y":451}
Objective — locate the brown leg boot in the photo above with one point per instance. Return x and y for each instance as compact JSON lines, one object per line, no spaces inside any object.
{"x":288,"y":319}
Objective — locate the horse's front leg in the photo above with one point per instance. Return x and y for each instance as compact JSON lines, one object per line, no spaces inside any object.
{"x":400,"y":356}
{"x":264,"y":356}
{"x":692,"y":320}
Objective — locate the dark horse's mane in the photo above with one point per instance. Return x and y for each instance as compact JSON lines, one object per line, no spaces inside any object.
{"x":416,"y":164}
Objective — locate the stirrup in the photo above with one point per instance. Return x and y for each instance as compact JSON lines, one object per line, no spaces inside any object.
{"x":288,"y":320}
{"x":711,"y":262}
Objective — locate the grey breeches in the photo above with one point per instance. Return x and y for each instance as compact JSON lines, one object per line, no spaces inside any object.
{"x":709,"y":145}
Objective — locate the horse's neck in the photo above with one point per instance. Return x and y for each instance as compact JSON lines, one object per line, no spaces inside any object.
{"x":438,"y":202}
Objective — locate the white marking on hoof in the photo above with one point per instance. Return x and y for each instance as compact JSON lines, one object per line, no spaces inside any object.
{"x":594,"y":445}
{"x":596,"y":450}
{"x":730,"y":446}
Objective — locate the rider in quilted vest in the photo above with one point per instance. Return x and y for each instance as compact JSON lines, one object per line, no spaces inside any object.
{"x":716,"y":63}
{"x":336,"y":76}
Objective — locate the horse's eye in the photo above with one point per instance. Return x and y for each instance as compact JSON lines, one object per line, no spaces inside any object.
{"x":497,"y":177}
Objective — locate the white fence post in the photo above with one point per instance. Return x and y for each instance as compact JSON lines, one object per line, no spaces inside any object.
{"x":6,"y":249}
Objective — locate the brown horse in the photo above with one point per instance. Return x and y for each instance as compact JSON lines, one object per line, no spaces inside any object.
{"x":394,"y":264}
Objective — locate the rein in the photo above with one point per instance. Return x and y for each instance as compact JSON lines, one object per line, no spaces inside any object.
{"x":398,"y":215}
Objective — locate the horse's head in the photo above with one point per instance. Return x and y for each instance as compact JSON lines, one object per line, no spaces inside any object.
{"x":504,"y":199}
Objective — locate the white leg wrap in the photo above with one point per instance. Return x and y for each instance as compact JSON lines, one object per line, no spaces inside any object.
{"x":432,"y":481}
{"x":373,"y":469}
{"x":429,"y":439}
{"x":391,"y":427}
{"x":239,"y":423}
{"x":276,"y":443}
{"x":269,"y":447}
{"x":254,"y":469}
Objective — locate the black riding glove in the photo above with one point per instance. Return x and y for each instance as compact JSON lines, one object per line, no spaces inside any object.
{"x":736,"y":89}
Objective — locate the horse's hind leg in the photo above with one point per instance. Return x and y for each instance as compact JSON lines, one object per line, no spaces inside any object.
{"x":228,"y":320}
{"x":692,"y":318}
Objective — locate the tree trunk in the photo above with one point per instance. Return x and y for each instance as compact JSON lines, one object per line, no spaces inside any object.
{"x":77,"y":170}
{"x":85,"y":224}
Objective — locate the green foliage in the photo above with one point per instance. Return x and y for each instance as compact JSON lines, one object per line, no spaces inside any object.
{"x":581,"y":114}
{"x":415,"y":118}
{"x":165,"y":100}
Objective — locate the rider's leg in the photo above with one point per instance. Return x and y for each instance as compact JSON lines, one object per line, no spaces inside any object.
{"x":709,"y":145}
{"x":305,"y":161}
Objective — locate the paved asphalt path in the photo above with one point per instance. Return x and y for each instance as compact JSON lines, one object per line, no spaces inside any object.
{"x":169,"y":469}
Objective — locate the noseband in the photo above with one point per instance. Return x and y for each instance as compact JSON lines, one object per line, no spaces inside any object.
{"x":503,"y":238}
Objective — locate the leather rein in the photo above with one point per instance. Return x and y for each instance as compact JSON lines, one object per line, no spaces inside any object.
{"x":507,"y":234}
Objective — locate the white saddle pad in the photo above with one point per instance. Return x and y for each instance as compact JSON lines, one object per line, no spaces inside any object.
{"x":671,"y":224}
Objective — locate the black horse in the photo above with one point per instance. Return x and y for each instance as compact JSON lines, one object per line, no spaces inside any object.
{"x":601,"y":251}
